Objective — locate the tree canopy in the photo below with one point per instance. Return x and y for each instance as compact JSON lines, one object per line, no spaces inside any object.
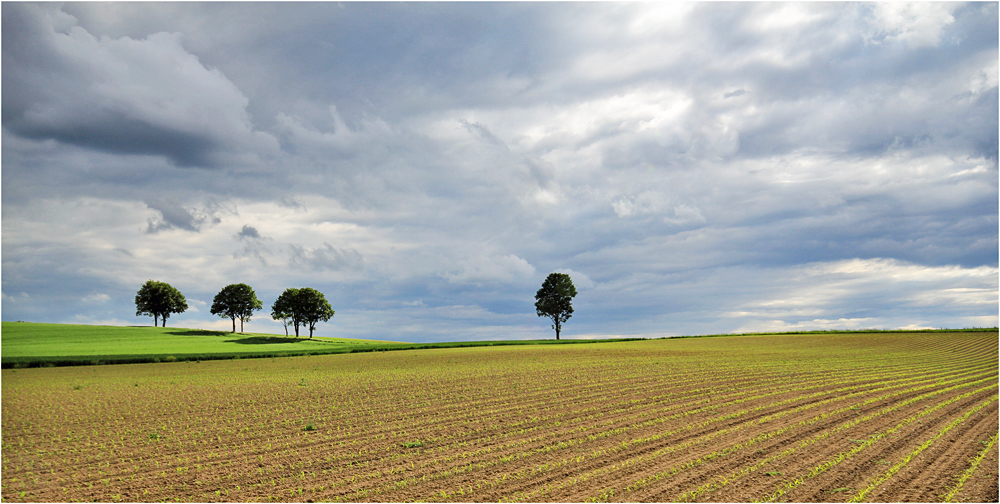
{"x":284,"y":309}
{"x":304,"y":307}
{"x":236,"y":301}
{"x":554,"y":299}
{"x":159,"y":300}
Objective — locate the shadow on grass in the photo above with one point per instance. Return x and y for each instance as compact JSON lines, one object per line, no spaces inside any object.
{"x":198,"y":332}
{"x":263,"y":340}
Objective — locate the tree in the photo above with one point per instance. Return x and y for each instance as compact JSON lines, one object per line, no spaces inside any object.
{"x":554,"y":299}
{"x":236,"y":301}
{"x":304,"y":307}
{"x":315,"y":308}
{"x":285,"y":322}
{"x":285,"y":309}
{"x":159,"y":300}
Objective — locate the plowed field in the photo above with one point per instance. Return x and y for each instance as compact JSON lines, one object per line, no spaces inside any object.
{"x":833,"y":417}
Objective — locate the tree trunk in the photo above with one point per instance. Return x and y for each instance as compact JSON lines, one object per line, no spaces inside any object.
{"x":156,"y":320}
{"x":234,"y":324}
{"x":557,"y":329}
{"x":296,"y":330}
{"x":241,"y":325}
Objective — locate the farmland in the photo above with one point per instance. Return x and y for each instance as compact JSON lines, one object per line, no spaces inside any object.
{"x":773,"y":418}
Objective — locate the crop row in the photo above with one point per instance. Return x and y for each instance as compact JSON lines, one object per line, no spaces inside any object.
{"x":973,"y":465}
{"x":916,"y":451}
{"x":788,"y":429}
{"x":870,"y":440}
{"x":656,"y":420}
{"x":564,"y":444}
{"x":711,"y":434}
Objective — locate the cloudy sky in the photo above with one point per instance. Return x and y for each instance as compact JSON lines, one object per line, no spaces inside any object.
{"x":695,"y":168}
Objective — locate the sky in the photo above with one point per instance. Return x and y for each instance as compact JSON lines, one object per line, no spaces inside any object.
{"x":695,"y":168}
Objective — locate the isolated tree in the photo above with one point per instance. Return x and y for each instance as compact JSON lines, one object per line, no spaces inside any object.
{"x":554,"y":299}
{"x":315,"y":308}
{"x":159,"y":300}
{"x":236,"y":301}
{"x":304,"y":307}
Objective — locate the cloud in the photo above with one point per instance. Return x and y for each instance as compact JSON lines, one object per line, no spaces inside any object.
{"x":696,"y":161}
{"x":254,"y":245}
{"x":292,"y":202}
{"x":248,"y":232}
{"x":915,"y":24}
{"x":97,"y":298}
{"x":877,"y":292}
{"x":490,"y":269}
{"x":146,"y":96}
{"x":325,"y":258}
{"x":173,"y":216}
{"x":13,"y":299}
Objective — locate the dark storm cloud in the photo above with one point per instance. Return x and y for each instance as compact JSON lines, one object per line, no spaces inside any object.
{"x":129,"y":96}
{"x":174,"y":216}
{"x":248,"y":232}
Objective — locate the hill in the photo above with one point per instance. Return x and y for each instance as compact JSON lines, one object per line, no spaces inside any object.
{"x":26,"y":344}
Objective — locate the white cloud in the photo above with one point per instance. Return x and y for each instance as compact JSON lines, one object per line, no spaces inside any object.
{"x":684,"y":214}
{"x":810,"y":325}
{"x":96,"y":298}
{"x":917,"y":24}
{"x":489,"y":269}
{"x":646,"y":202}
{"x":23,"y":296}
{"x":894,"y":291}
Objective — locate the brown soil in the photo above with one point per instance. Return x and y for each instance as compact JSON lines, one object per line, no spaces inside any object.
{"x":715,"y":420}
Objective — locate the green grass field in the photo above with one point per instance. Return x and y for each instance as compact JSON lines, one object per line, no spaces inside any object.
{"x":27,"y":344}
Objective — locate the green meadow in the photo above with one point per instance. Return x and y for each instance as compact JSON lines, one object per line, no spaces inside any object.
{"x":28,"y":344}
